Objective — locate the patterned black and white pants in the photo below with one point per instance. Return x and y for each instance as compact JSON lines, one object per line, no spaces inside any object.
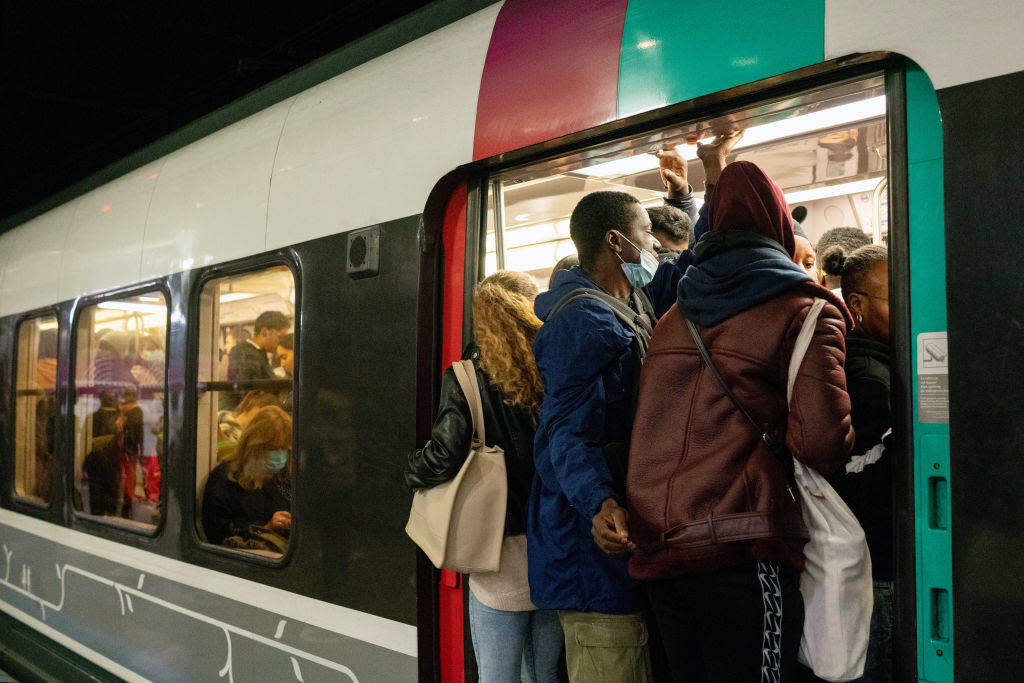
{"x":738,"y":624}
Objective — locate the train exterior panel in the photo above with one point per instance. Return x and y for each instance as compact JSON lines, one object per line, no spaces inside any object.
{"x":281,"y":177}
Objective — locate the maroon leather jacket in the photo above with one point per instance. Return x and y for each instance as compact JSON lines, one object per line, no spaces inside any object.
{"x":704,"y":491}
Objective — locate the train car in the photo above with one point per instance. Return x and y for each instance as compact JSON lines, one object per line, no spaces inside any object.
{"x":360,"y":198}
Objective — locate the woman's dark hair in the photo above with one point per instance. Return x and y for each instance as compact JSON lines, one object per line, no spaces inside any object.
{"x":850,"y":239}
{"x":853,"y":268}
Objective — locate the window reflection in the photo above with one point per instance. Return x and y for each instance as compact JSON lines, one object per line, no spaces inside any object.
{"x":120,"y":401}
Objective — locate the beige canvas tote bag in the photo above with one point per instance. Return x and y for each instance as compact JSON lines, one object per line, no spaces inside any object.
{"x":460,"y":524}
{"x":836,"y":583}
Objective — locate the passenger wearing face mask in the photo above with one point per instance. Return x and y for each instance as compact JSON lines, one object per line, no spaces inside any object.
{"x":253,"y":486}
{"x":598,"y":318}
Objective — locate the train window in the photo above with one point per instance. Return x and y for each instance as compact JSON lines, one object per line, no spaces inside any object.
{"x":244,"y":426}
{"x":120,"y":404}
{"x":36,"y":410}
{"x":825,"y":148}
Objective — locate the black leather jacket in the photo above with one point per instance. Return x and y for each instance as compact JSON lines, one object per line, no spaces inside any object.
{"x":509,"y":428}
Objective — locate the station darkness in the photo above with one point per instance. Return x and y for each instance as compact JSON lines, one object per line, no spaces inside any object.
{"x":86,"y":83}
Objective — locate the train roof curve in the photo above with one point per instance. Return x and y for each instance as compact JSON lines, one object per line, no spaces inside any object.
{"x":367,"y":145}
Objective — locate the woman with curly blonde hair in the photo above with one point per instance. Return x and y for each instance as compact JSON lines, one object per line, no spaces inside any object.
{"x":508,"y":632}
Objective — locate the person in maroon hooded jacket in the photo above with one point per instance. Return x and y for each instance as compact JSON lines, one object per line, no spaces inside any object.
{"x":717,"y":530}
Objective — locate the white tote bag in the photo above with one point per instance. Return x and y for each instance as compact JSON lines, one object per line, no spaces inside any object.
{"x":460,"y":524}
{"x":836,"y":583}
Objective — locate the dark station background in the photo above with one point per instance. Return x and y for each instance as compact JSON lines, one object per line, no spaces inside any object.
{"x":85,"y":83}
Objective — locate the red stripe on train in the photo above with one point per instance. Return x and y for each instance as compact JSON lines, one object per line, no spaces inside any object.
{"x":453,"y":238}
{"x":552,"y":68}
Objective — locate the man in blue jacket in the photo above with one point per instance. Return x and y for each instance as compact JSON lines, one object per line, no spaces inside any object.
{"x":589,"y":355}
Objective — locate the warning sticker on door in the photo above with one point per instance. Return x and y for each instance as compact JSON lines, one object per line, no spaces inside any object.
{"x":932,"y":378}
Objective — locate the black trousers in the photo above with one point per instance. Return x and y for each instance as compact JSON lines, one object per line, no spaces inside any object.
{"x":737,"y":625}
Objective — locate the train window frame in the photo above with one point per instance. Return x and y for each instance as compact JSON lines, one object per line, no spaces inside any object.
{"x":190,"y":512}
{"x":80,"y":517}
{"x":18,"y":502}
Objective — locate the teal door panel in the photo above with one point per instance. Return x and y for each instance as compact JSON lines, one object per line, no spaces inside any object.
{"x":933,"y":526}
{"x":673,"y":52}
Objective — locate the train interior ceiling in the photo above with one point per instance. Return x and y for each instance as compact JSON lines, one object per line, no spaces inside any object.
{"x":826,"y":148}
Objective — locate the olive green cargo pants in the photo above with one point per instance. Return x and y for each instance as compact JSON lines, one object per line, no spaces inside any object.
{"x":610,"y":648}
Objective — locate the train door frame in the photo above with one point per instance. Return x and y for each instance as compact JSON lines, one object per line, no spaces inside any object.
{"x":465,"y":218}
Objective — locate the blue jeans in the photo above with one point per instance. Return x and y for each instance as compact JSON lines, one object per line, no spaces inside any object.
{"x":507,"y":643}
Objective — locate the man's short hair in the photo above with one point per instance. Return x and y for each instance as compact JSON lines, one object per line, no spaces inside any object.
{"x":271,"y":320}
{"x":594,"y":216}
{"x":672,"y":222}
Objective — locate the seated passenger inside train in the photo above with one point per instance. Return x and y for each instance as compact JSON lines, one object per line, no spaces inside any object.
{"x":231,"y":423}
{"x":247,"y":498}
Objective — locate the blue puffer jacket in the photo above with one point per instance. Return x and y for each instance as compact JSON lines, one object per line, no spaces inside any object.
{"x":585,"y":360}
{"x":589,"y":372}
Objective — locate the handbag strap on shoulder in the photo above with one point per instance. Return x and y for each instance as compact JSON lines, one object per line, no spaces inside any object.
{"x":774,"y":445}
{"x":465,"y":373}
{"x":803,"y":342}
{"x":706,"y":357}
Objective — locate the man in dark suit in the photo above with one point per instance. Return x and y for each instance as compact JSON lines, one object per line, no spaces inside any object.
{"x":248,"y":359}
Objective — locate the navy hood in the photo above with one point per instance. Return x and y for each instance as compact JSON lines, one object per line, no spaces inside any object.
{"x":734,"y":271}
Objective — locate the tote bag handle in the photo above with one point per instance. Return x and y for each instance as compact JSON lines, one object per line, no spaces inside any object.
{"x":465,"y":373}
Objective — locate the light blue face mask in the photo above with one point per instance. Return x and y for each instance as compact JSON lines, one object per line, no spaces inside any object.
{"x":640,"y":274}
{"x":276,"y":460}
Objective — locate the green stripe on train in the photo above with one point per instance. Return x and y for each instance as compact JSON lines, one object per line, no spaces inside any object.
{"x":673,"y":51}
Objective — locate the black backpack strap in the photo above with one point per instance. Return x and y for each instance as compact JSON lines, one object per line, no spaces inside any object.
{"x":777,"y":448}
{"x":640,"y":323}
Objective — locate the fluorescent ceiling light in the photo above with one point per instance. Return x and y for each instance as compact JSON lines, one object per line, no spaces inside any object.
{"x":52,"y":325}
{"x":797,"y":125}
{"x":149,"y":298}
{"x":132,"y":306}
{"x":235,"y":296}
{"x":855,"y":187}
{"x":624,"y":166}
